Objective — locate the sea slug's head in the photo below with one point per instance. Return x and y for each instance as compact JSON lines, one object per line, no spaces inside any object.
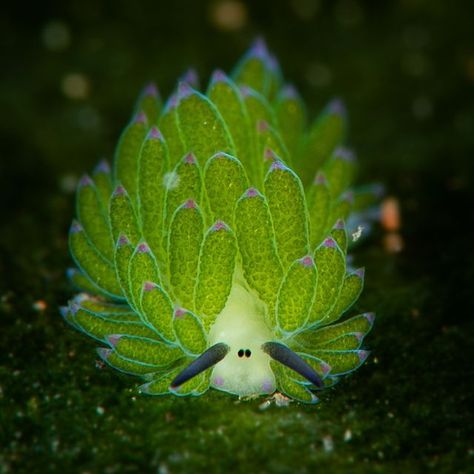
{"x":245,"y":370}
{"x":242,"y":347}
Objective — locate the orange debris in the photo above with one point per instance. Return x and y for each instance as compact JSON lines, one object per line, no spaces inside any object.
{"x":390,"y":215}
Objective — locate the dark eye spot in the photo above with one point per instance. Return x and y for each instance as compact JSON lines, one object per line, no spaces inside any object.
{"x":240,"y":353}
{"x":248,"y":353}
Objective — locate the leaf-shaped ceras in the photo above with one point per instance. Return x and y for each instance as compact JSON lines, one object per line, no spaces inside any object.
{"x":214,"y":252}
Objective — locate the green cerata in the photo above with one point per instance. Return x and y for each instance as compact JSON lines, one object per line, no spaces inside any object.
{"x":213,"y":253}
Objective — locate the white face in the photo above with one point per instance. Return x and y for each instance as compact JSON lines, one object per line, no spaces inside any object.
{"x":245,"y":370}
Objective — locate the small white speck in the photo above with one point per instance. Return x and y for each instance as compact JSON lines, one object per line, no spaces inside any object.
{"x":281,"y":400}
{"x":266,"y":404}
{"x":278,"y":399}
{"x":328,"y":444}
{"x":171,"y":180}
{"x":347,"y":435}
{"x":358,"y":233}
{"x":100,"y":410}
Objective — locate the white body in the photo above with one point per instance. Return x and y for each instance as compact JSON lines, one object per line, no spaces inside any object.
{"x":241,"y":325}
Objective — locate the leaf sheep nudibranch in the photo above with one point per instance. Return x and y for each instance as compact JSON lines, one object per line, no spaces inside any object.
{"x":214,"y":252}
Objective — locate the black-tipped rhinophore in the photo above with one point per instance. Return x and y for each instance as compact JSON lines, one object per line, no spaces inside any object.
{"x":207,"y":359}
{"x":286,"y":356}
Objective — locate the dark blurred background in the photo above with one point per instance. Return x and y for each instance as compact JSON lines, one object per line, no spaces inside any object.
{"x":70,"y":73}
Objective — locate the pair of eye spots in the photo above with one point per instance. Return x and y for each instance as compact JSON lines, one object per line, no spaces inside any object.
{"x":244,"y":353}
